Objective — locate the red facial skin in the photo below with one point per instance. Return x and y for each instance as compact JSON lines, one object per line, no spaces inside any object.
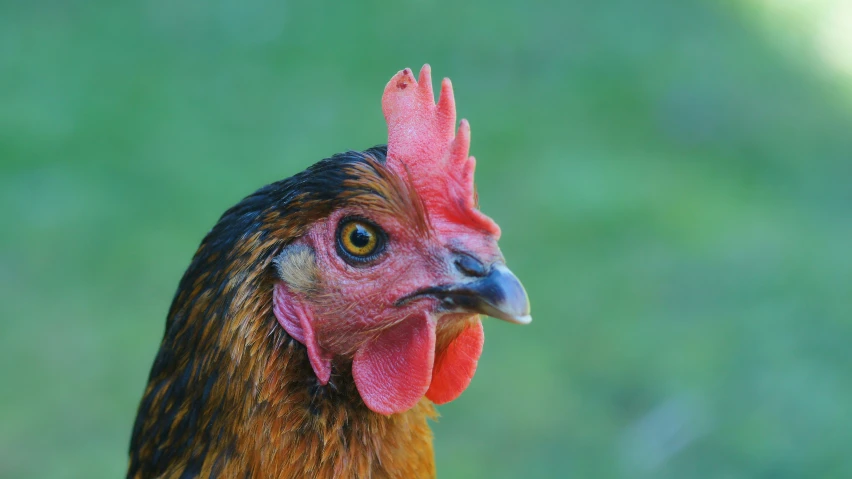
{"x":401,"y":353}
{"x":354,"y":315}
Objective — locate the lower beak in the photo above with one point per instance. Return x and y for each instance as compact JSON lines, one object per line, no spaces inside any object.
{"x":498,"y":294}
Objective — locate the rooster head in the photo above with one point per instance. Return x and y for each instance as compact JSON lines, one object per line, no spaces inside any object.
{"x":394,"y":277}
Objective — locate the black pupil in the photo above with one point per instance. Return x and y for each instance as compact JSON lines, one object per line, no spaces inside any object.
{"x":360,"y":237}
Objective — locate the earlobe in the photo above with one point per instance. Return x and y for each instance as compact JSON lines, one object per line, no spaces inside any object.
{"x":297,"y":320}
{"x":296,"y":265}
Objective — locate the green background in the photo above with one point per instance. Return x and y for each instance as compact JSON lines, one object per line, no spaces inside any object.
{"x":672,"y":184}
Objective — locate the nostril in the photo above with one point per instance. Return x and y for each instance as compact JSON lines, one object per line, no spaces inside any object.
{"x":470,"y":266}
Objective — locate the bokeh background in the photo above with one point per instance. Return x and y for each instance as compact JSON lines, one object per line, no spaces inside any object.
{"x":672,"y":178}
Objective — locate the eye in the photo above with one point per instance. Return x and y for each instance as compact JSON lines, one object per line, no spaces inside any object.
{"x":359,"y":240}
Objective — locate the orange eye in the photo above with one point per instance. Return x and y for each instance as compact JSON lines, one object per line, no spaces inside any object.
{"x":359,"y":240}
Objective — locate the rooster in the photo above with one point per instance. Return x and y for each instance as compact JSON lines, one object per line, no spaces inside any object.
{"x":323,"y":315}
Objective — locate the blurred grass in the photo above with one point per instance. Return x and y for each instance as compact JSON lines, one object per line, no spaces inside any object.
{"x":674,"y":191}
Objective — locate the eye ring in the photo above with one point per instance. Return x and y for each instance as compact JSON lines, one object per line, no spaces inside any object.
{"x":359,"y":241}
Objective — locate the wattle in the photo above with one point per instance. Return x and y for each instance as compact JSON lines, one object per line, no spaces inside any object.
{"x":394,"y":371}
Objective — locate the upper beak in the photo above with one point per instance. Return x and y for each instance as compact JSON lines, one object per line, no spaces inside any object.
{"x":498,"y":294}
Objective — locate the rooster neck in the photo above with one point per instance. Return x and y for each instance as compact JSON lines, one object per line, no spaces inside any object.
{"x":299,"y":427}
{"x":231,"y":394}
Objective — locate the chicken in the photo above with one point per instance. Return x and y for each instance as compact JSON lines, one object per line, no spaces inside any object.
{"x":323,"y":316}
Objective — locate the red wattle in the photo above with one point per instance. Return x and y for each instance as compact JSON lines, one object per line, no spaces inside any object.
{"x":456,"y":365}
{"x":393,"y":371}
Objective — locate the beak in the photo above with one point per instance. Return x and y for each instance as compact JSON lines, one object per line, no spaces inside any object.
{"x":498,"y":294}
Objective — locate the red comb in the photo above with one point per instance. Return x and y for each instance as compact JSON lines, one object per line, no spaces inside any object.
{"x":423,"y":146}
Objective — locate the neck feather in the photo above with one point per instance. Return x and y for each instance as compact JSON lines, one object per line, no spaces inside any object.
{"x":230,"y":393}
